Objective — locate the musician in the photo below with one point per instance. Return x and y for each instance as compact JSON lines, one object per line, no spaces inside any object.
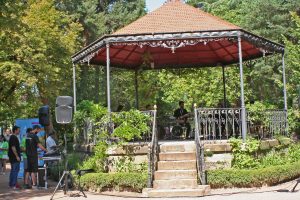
{"x":32,"y":143}
{"x":50,"y":143}
{"x":181,"y":115}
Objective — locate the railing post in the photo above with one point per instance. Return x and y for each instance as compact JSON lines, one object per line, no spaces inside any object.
{"x":199,"y":150}
{"x":152,"y":151}
{"x":244,"y":128}
{"x":149,"y":184}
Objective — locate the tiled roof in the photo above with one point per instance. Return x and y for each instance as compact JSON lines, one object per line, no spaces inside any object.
{"x":175,"y":16}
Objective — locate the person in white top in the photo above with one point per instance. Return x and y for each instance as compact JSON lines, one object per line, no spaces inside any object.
{"x":50,"y":143}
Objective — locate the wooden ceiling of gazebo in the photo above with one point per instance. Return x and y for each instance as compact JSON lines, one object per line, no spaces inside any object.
{"x":173,"y":36}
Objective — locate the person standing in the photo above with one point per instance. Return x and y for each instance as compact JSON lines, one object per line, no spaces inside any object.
{"x":3,"y":154}
{"x":7,"y":134}
{"x":14,"y":154}
{"x":32,"y":143}
{"x":23,"y":149}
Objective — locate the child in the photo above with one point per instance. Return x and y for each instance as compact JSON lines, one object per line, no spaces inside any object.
{"x":3,"y":154}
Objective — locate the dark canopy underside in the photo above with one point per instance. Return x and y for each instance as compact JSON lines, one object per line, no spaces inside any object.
{"x":180,"y":50}
{"x":211,"y":54}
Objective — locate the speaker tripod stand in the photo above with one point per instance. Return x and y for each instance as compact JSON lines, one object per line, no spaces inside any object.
{"x":297,"y":182}
{"x":66,"y":174}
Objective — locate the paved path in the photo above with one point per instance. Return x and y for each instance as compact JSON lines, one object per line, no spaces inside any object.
{"x":268,"y":193}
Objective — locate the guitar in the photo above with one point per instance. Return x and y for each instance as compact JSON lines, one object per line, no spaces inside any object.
{"x":183,"y":119}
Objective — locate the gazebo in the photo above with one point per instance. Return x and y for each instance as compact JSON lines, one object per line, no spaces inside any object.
{"x":174,"y":36}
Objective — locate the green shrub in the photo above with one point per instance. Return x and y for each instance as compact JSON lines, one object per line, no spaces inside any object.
{"x":130,"y":125}
{"x":243,"y":153}
{"x":126,"y":164}
{"x":97,"y":161}
{"x":273,"y":158}
{"x":294,"y":153}
{"x":253,"y":177}
{"x":117,"y":181}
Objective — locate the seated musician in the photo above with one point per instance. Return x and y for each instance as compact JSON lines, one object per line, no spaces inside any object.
{"x":181,"y":115}
{"x":51,"y":144}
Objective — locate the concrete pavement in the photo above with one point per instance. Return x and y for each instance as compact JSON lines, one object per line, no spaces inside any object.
{"x":268,"y":193}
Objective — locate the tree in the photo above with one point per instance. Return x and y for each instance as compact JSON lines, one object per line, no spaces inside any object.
{"x":37,"y":41}
{"x":99,"y":18}
{"x":293,"y":60}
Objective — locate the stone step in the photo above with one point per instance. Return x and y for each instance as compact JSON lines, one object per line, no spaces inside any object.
{"x":177,"y":156}
{"x":201,"y":190}
{"x":181,"y":147}
{"x":175,"y":184}
{"x":177,"y":165}
{"x":175,"y":174}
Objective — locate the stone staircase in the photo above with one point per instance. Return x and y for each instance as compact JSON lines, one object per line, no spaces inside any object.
{"x":176,"y":174}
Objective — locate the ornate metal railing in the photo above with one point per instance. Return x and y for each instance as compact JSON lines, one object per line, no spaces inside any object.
{"x":224,"y":123}
{"x":153,"y":151}
{"x":267,"y":124}
{"x":199,"y":152}
{"x":219,"y":123}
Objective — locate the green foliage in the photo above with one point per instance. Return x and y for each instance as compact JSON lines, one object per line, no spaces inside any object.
{"x":294,"y":120}
{"x":273,"y":158}
{"x":251,"y":155}
{"x":208,"y":153}
{"x":126,"y":164}
{"x":87,"y":110}
{"x":256,"y":111}
{"x":117,"y":181}
{"x":243,"y":153}
{"x":98,"y":160}
{"x":293,"y":154}
{"x":130,"y":125}
{"x":37,"y":41}
{"x":254,"y":177}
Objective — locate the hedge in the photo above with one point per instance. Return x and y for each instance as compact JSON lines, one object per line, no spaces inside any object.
{"x":254,"y":177}
{"x":216,"y":178}
{"x":117,"y":181}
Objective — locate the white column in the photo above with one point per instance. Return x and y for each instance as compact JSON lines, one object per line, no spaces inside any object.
{"x":244,"y":125}
{"x":74,"y":87}
{"x":108,"y":77}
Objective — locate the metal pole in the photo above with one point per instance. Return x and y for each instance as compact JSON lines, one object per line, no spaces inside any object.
{"x":224,"y":86}
{"x":136,"y":90}
{"x":284,"y":94}
{"x":108,"y":78}
{"x":284,"y":83}
{"x":244,"y":128}
{"x":74,"y":87}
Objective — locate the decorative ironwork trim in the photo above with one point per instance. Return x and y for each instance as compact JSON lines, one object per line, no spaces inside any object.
{"x":173,"y":41}
{"x":266,"y":46}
